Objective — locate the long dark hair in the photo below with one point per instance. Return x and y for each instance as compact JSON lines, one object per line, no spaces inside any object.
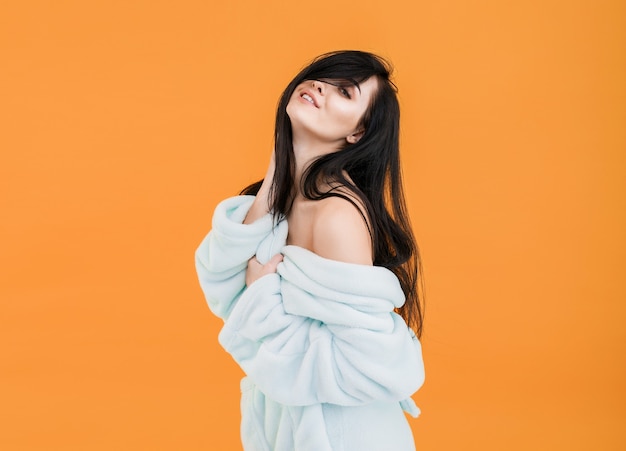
{"x":372,"y":165}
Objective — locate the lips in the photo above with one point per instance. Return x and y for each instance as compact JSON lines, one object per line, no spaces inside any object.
{"x":309,"y":97}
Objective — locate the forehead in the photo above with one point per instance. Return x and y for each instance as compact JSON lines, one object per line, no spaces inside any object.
{"x":368,"y":88}
{"x":370,"y":85}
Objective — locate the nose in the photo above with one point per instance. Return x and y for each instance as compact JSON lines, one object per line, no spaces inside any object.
{"x":318,"y":86}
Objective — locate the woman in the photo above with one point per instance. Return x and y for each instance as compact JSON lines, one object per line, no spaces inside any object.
{"x":314,"y":270}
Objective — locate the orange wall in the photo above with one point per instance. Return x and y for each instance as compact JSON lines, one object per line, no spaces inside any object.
{"x":125,"y":122}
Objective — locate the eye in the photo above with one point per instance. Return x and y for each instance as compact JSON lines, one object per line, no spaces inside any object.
{"x":344,"y":92}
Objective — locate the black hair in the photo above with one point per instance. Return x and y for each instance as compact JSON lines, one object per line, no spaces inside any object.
{"x":372,"y":165}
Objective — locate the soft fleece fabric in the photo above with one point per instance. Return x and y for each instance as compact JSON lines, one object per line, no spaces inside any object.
{"x":329,"y":364}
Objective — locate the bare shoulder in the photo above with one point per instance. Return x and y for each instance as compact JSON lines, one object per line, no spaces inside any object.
{"x":340,"y":231}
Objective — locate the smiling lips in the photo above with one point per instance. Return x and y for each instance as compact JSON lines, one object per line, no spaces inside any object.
{"x":309,"y":98}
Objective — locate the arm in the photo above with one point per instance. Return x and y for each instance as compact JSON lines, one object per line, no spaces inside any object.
{"x":222,"y":257}
{"x":302,"y":360}
{"x":240,"y":226}
{"x":261,"y":205}
{"x":304,"y":343}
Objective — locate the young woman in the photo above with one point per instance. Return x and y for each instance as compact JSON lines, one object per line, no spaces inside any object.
{"x":314,"y":270}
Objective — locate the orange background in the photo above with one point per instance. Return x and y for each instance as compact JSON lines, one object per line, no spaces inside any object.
{"x":125,"y":122}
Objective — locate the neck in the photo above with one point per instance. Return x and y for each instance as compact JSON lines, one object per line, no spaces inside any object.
{"x":305,"y":152}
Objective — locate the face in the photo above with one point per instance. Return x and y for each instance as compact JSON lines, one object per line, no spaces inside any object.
{"x":330,"y":110}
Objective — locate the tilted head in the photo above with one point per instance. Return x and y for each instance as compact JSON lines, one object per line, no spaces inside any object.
{"x":349,"y":70}
{"x":370,"y":146}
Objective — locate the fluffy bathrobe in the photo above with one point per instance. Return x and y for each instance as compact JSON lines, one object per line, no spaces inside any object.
{"x":329,"y":364}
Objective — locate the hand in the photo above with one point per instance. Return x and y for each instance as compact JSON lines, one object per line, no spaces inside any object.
{"x":256,"y":270}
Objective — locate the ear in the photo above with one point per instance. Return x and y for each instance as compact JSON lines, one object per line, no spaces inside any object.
{"x":354,"y":137}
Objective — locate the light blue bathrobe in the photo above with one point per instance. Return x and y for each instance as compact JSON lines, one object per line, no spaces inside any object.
{"x":329,"y":364}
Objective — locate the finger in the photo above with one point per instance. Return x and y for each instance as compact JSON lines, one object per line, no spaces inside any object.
{"x":254,"y":261}
{"x":273,"y":263}
{"x":276,"y":259}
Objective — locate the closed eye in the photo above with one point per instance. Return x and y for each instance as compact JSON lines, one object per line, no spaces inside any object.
{"x":343,"y":86}
{"x":344,"y":92}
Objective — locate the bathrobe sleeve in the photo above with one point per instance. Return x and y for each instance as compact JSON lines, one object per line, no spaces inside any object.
{"x":321,"y":331}
{"x":318,"y":331}
{"x":222,"y":257}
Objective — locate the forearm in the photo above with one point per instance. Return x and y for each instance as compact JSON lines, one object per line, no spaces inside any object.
{"x":222,"y":257}
{"x":298,"y":360}
{"x":262,"y":202}
{"x":260,"y":207}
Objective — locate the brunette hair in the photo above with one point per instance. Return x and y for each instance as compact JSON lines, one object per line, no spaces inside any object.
{"x":372,"y":164}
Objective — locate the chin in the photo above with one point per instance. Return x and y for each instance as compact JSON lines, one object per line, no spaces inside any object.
{"x":297,"y":117}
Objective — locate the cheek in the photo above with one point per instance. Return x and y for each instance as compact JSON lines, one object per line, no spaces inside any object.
{"x":293,"y":108}
{"x":299,"y":114}
{"x":348,"y":115}
{"x":290,"y":105}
